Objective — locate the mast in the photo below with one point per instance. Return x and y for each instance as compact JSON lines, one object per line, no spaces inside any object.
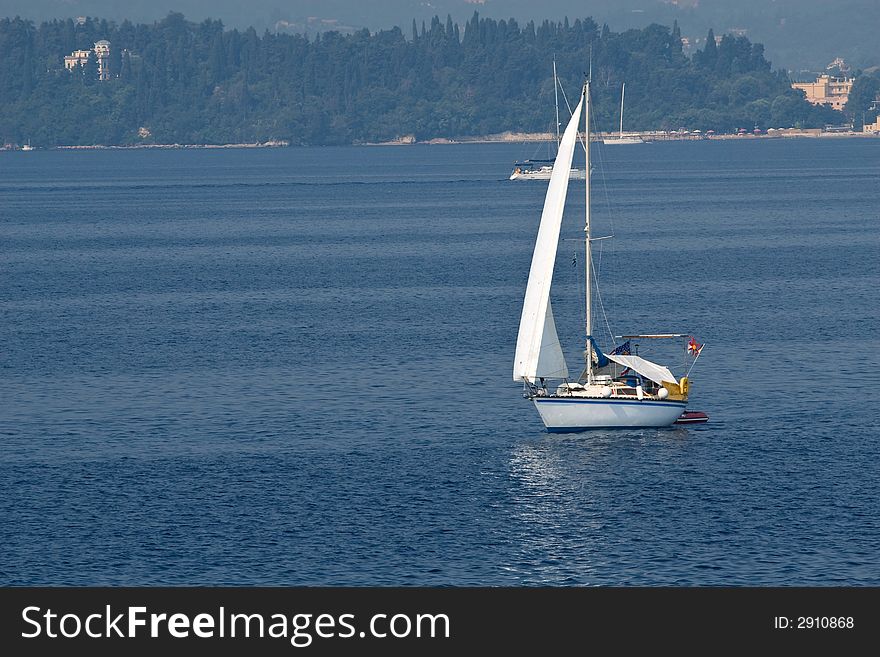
{"x":622,"y":90}
{"x":556,"y":98}
{"x":587,"y":259}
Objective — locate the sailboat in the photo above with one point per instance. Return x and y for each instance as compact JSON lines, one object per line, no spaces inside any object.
{"x":620,"y":139}
{"x":615,"y":389}
{"x":27,"y":146}
{"x":541,"y":169}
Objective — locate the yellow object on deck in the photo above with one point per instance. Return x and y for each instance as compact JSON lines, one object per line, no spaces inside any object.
{"x":677,"y":391}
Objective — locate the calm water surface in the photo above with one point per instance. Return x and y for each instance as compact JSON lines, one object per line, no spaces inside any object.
{"x":293,"y":367}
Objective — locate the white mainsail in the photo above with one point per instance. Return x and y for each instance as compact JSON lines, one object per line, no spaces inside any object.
{"x":538,"y":352}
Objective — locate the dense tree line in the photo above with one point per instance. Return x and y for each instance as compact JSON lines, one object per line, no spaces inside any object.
{"x":200,"y":83}
{"x":863,"y":104}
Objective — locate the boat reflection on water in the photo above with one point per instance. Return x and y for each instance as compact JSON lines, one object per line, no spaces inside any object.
{"x":579,"y":503}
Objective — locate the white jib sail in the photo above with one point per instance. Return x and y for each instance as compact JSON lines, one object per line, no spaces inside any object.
{"x":538,"y":352}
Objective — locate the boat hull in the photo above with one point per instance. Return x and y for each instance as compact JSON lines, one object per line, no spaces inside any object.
{"x":624,"y":140}
{"x":540,"y":174}
{"x":565,"y":414}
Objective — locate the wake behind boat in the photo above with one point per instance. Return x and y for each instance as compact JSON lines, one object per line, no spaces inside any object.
{"x":617,"y":389}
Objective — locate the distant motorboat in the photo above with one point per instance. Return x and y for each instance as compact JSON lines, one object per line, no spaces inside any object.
{"x":27,"y":146}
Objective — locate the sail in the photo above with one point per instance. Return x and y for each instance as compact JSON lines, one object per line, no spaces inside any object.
{"x":551,"y":362}
{"x":538,"y":353}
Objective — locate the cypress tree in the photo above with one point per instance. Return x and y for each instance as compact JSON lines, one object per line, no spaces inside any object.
{"x":125,"y":69}
{"x":114,"y":62}
{"x":90,"y":69}
{"x":218,"y":60}
{"x":710,"y":53}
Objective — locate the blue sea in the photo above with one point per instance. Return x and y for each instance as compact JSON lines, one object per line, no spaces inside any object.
{"x":294,"y":367}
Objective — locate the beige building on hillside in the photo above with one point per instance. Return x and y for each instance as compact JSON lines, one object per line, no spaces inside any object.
{"x":102,"y":56}
{"x":102,"y":52}
{"x":827,"y":90}
{"x":76,"y":58}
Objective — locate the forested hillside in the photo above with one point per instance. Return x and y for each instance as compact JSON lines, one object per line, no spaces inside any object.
{"x":179,"y":82}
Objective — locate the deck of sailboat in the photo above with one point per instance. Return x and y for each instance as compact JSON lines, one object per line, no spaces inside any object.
{"x":610,"y":390}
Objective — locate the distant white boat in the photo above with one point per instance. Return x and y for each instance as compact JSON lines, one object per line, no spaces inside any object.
{"x":541,"y":169}
{"x":623,"y":140}
{"x":27,"y":146}
{"x":615,"y":389}
{"x":620,"y":139}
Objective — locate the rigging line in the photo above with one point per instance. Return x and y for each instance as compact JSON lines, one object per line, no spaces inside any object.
{"x":695,"y":360}
{"x":601,"y":303}
{"x":582,"y":301}
{"x":565,"y":98}
{"x":600,"y":151}
{"x":600,"y":156}
{"x":612,"y":212}
{"x":580,"y":283}
{"x":568,"y":105}
{"x":593,"y":267}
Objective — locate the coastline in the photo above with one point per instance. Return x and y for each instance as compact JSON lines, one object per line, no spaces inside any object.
{"x":500,"y":138}
{"x":649,"y":136}
{"x":267,"y":144}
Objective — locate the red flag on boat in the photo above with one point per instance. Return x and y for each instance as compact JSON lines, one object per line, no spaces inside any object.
{"x":694,"y":347}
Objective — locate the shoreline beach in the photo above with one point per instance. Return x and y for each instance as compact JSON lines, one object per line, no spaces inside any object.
{"x":501,"y":138}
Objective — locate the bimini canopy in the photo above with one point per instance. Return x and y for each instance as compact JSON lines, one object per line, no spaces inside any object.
{"x":657,"y":373}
